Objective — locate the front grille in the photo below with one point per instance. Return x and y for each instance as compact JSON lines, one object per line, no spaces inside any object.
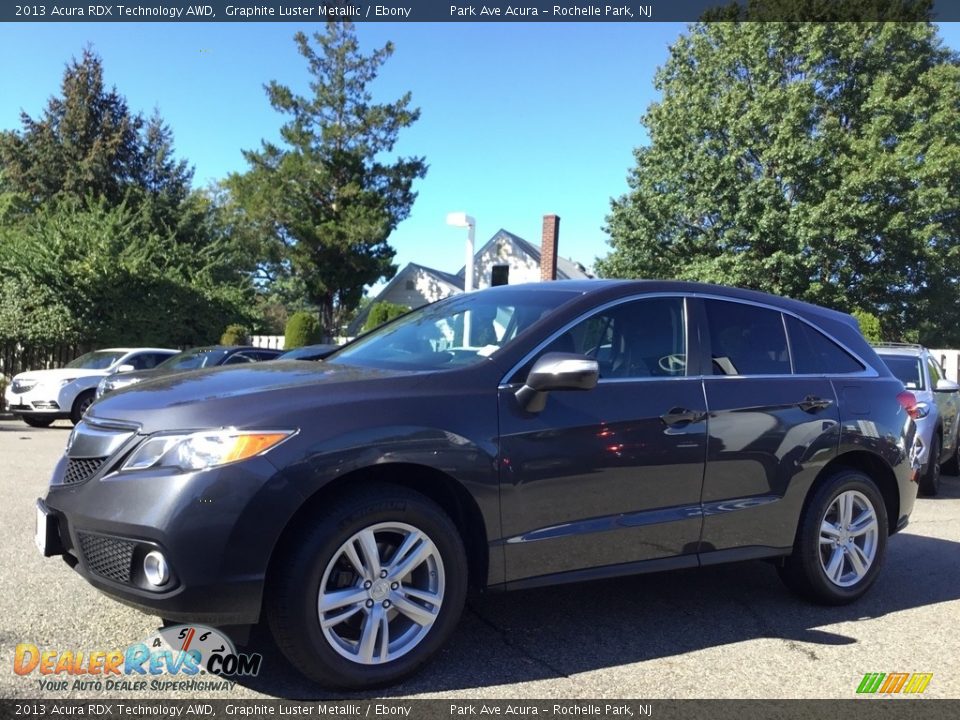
{"x":19,"y":387}
{"x":108,"y":557}
{"x":81,"y":469}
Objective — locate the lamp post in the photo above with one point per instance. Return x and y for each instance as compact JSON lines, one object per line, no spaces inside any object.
{"x":461,"y":219}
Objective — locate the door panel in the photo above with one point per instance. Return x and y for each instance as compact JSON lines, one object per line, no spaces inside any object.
{"x":598,"y":478}
{"x":768,"y":439}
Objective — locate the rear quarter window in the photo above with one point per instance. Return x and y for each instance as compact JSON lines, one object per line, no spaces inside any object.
{"x":816,"y":354}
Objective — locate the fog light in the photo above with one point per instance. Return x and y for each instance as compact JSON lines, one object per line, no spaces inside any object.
{"x":155,"y":568}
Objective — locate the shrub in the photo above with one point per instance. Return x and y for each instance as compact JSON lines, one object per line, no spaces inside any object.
{"x":382,"y":312}
{"x":303,"y":328}
{"x":235,"y":335}
{"x":869,"y":325}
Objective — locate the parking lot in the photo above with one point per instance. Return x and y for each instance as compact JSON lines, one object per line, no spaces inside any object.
{"x":731,"y":631}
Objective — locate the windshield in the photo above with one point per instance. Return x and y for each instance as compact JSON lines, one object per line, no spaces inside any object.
{"x":458,"y":331}
{"x":194,"y":359}
{"x":906,"y":369}
{"x":96,"y":360}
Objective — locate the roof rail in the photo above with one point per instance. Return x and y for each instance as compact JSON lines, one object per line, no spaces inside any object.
{"x":918,"y":346}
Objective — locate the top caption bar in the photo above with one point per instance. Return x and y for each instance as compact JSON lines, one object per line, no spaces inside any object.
{"x":490,"y":11}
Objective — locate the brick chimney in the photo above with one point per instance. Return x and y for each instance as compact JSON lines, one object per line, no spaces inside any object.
{"x":548,"y":247}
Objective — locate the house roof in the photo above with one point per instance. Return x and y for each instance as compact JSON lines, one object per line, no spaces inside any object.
{"x":566,"y":269}
{"x":457,"y":282}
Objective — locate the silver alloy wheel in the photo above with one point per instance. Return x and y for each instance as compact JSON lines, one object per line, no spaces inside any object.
{"x":849,"y":534}
{"x":381,"y":593}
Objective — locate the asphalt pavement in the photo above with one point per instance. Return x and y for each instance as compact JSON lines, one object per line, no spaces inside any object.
{"x":729,"y":631}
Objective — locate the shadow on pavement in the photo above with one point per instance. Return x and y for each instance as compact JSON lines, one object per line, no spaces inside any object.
{"x":553,"y":632}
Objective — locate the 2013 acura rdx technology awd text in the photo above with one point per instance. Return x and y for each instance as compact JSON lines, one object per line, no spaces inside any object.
{"x":512,"y":437}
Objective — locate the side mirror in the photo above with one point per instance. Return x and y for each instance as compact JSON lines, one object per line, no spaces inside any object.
{"x":126,"y":367}
{"x":944,"y":385}
{"x":556,"y":371}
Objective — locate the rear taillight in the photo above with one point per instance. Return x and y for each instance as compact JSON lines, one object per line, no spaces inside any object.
{"x":909,"y":403}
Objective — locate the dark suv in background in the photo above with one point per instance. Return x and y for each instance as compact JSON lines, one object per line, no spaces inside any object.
{"x":193,"y":359}
{"x":509,"y":438}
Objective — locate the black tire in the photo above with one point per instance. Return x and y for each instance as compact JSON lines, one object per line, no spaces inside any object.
{"x":952,"y":466}
{"x":37,"y":421}
{"x":930,"y":482}
{"x":804,"y":571}
{"x":296,"y":577}
{"x":80,"y":405}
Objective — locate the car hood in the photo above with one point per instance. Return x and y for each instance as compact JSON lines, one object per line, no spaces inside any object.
{"x":256,"y":395}
{"x":140,"y":375}
{"x":60,"y":374}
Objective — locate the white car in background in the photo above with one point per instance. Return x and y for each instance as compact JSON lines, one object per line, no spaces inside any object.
{"x":41,"y":396}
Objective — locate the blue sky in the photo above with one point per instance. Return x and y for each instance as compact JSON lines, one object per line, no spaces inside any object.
{"x":518,"y":120}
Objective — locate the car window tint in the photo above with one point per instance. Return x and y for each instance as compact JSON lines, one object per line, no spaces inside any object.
{"x":746,"y":339}
{"x":639,"y":339}
{"x":143,"y":361}
{"x":815,"y":353}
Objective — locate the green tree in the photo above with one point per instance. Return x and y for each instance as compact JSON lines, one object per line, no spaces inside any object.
{"x":303,"y":328}
{"x":235,"y":335}
{"x":382,"y":312}
{"x":85,"y":271}
{"x":869,"y":325}
{"x":103,"y":239}
{"x":331,"y":195}
{"x":815,"y":160}
{"x":88,"y":143}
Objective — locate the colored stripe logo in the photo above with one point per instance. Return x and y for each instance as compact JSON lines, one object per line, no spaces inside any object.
{"x":894,"y":683}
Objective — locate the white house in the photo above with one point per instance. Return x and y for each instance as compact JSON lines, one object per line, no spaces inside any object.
{"x":504,"y":259}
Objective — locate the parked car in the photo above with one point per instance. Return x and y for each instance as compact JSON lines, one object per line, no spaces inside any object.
{"x":938,"y":409}
{"x":39,"y":397}
{"x":193,"y":359}
{"x":309,"y":352}
{"x":513,"y":437}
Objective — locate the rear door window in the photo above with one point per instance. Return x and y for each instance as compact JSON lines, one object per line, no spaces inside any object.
{"x":746,"y":339}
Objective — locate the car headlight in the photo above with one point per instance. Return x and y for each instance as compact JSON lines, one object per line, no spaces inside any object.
{"x":202,"y":450}
{"x":65,"y":381}
{"x":921,"y":410}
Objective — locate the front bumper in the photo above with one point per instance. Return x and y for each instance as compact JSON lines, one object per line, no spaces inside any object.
{"x":39,"y":400}
{"x":217,"y":529}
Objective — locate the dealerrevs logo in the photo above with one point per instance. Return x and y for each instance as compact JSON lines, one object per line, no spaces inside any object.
{"x":170,"y":660}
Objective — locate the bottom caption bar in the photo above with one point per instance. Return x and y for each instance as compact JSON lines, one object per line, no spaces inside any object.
{"x":428,"y":709}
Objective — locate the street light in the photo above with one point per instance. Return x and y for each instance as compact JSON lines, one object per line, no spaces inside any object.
{"x":461,"y":219}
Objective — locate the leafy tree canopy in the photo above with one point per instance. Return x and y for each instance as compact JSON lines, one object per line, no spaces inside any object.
{"x":331,"y":194}
{"x":102,"y":238}
{"x":818,"y":161}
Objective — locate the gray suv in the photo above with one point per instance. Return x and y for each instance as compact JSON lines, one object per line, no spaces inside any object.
{"x":514,"y":437}
{"x":938,"y":405}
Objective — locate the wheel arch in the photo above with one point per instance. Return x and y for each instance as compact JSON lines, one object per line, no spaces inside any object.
{"x":873,"y":467}
{"x":434,"y":484}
